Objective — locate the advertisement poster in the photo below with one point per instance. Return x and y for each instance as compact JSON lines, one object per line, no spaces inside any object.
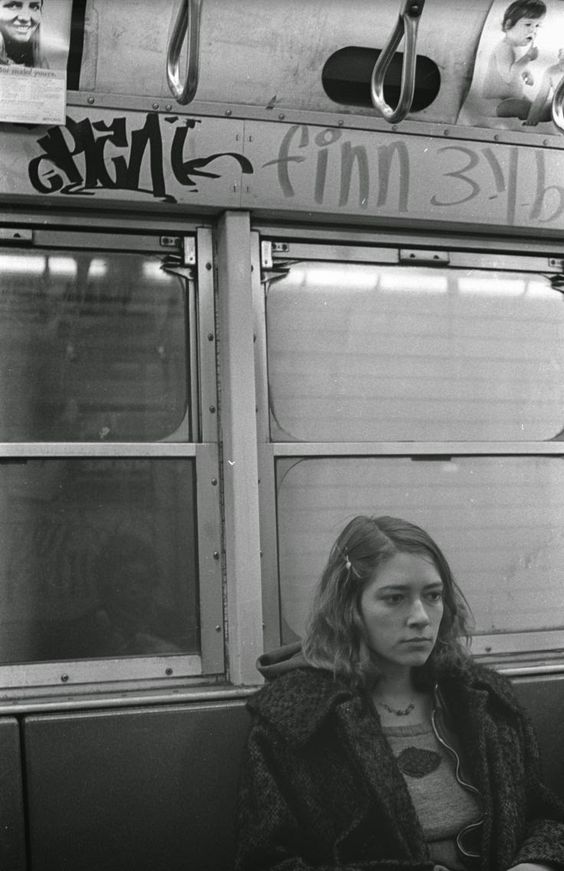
{"x":519,"y":63}
{"x":34,"y":46}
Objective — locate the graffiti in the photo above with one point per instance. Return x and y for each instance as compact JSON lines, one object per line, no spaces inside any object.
{"x":87,"y":156}
{"x":335,"y":168}
{"x":353,"y":164}
{"x":300,"y":166}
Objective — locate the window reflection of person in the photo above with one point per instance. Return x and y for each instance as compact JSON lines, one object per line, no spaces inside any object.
{"x":20,"y":32}
{"x":131,"y":621}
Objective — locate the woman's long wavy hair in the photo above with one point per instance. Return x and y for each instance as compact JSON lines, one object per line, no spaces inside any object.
{"x":335,"y":638}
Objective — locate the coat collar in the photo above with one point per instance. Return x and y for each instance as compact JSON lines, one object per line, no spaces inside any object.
{"x":297,"y":703}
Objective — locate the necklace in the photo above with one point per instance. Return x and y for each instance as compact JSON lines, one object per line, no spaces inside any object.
{"x":399,"y":712}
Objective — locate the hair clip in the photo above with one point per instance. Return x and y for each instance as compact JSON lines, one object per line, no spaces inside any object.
{"x":348,"y":564}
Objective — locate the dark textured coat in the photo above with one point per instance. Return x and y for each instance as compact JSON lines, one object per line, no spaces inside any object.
{"x":321,"y":788}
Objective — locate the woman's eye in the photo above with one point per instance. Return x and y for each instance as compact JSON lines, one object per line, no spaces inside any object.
{"x":435,"y":596}
{"x":393,"y":599}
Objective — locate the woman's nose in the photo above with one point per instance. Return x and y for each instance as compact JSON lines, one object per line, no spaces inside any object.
{"x":418,"y":615}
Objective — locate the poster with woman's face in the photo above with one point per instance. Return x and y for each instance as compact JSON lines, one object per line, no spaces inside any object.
{"x":519,"y":63}
{"x":34,"y":46}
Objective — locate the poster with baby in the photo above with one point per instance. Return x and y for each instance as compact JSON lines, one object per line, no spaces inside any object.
{"x":34,"y":47}
{"x":519,"y":63}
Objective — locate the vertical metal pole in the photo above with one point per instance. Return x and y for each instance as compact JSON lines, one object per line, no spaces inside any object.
{"x":239,"y":440}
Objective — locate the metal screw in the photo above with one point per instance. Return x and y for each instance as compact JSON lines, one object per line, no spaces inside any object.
{"x":64,"y":678}
{"x":169,"y":671}
{"x":211,"y":337}
{"x":208,"y":266}
{"x":212,"y":409}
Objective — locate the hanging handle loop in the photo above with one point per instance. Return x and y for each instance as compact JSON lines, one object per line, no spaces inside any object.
{"x":557,"y":100}
{"x":407,"y":24}
{"x":187,"y":25}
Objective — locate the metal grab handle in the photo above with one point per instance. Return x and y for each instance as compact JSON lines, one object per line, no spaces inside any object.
{"x":407,"y":23}
{"x":187,"y":22}
{"x":557,"y":100}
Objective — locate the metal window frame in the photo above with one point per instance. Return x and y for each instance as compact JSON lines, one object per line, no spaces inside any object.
{"x":203,"y":451}
{"x":279,"y":247}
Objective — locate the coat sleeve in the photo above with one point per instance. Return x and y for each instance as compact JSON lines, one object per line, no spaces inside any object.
{"x":544,"y":840}
{"x":270,"y":837}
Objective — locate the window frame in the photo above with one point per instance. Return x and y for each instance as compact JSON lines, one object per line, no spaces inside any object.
{"x":276,"y":248}
{"x":195,"y":245}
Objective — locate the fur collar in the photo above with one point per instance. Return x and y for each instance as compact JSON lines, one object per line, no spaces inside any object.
{"x":297,"y":703}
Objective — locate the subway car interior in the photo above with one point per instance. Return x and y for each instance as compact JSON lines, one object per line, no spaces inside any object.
{"x":281,"y":259}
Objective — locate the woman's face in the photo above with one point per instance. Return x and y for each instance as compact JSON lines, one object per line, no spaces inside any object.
{"x":401,"y":609}
{"x":19,"y":19}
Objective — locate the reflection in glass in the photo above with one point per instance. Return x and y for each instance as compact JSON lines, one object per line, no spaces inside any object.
{"x":361,"y":352}
{"x":499,"y":520}
{"x":97,"y":559}
{"x":93,"y":348}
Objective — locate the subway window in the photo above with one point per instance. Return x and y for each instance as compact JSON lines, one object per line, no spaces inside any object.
{"x":106,"y":520}
{"x":425,"y":384}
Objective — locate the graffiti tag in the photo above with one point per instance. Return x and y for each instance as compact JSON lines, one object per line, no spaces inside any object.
{"x":86,"y":156}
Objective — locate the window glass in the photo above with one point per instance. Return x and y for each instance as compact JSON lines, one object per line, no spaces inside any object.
{"x":97,"y":558}
{"x":93,"y":347}
{"x":363,"y":352}
{"x":499,"y":521}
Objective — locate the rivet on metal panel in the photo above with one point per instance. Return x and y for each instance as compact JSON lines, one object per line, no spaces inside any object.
{"x":218,"y":628}
{"x":446,"y":132}
{"x":546,"y":142}
{"x":211,"y":337}
{"x":340,"y":123}
{"x":228,"y":112}
{"x":497,"y":137}
{"x":281,"y":116}
{"x":214,"y":482}
{"x":169,"y":671}
{"x":168,"y":107}
{"x":90,"y":100}
{"x":216,"y":554}
{"x":155,"y":106}
{"x":208,"y":266}
{"x":212,"y":409}
{"x":64,"y":678}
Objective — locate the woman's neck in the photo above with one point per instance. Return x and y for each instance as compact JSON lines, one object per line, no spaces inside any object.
{"x":398,"y":700}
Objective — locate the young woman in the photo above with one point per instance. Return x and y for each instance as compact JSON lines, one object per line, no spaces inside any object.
{"x":378,"y":744}
{"x":20,"y":26}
